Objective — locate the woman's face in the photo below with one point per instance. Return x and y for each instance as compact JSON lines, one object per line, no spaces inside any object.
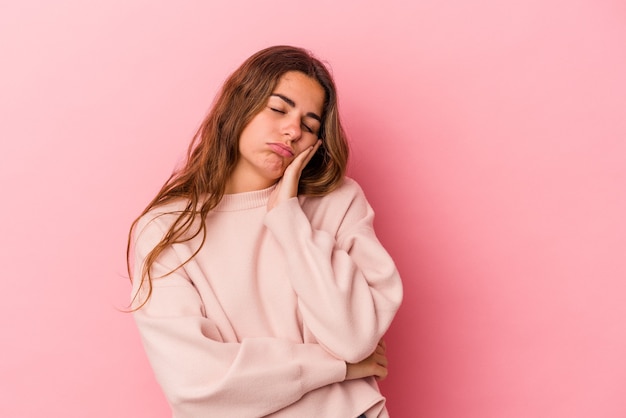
{"x":287,"y":125}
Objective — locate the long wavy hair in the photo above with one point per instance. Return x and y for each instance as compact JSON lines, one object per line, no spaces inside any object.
{"x":214,"y":150}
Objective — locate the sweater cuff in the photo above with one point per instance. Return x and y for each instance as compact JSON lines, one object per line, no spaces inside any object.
{"x":320,"y":368}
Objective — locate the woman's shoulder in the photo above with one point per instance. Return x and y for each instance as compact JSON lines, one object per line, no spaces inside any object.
{"x":350,"y":185}
{"x":347,"y":194}
{"x":349,"y":189}
{"x":341,"y":210}
{"x":161,"y":217}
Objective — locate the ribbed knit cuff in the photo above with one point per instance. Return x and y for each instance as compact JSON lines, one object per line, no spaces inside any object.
{"x":320,"y":368}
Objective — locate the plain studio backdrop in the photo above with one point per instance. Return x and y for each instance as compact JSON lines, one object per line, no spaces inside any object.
{"x":490,"y":138}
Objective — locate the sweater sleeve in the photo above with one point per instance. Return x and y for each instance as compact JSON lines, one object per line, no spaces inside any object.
{"x":347,"y":284}
{"x":200,"y":374}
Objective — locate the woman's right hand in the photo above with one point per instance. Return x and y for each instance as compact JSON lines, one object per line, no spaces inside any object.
{"x":287,"y":186}
{"x":374,"y":365}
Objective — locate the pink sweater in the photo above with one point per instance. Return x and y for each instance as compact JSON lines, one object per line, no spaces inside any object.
{"x":261,"y":321}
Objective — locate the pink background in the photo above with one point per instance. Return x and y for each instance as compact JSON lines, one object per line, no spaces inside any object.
{"x":489,"y":136}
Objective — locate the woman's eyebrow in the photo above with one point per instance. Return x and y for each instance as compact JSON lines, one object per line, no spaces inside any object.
{"x":293,"y":104}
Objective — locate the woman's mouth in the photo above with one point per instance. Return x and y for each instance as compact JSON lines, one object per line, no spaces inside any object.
{"x":280,"y":149}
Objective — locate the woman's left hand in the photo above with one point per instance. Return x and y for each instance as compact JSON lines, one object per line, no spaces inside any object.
{"x":287,"y":186}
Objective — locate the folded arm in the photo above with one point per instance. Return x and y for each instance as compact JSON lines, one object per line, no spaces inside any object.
{"x":202,"y":374}
{"x":347,"y":284}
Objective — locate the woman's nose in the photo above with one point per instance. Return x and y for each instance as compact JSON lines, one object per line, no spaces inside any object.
{"x":292,"y":129}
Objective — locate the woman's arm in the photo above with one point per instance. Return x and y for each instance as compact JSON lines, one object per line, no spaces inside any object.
{"x":374,"y":365}
{"x":201,"y":375}
{"x":347,"y":284}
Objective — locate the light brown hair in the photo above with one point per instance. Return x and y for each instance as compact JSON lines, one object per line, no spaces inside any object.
{"x":214,"y":150}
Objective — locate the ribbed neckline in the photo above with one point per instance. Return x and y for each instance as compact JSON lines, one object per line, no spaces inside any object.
{"x":243,"y":201}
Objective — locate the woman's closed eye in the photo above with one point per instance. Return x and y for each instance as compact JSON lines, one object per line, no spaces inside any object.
{"x":307,"y":128}
{"x":277,"y":110}
{"x":282,"y":112}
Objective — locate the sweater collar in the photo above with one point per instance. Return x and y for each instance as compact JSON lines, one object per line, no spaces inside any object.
{"x":243,"y":201}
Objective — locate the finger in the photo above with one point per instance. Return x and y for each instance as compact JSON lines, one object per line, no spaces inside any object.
{"x":294,"y":169}
{"x":305,"y":156}
{"x":381,"y":373}
{"x":381,"y":360}
{"x":310,"y":155}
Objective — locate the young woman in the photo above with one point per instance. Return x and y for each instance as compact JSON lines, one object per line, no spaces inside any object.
{"x":259,"y":286}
